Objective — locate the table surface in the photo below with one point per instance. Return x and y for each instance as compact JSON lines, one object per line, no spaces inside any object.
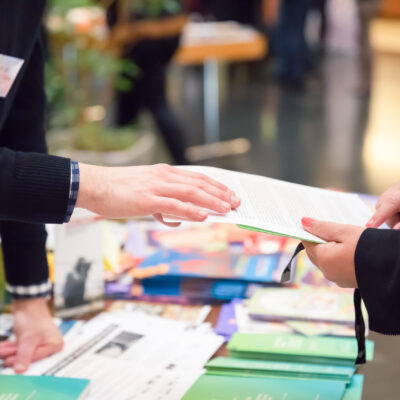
{"x":234,"y":51}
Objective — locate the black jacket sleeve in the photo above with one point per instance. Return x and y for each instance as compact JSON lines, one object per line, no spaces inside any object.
{"x":377,"y":263}
{"x":34,"y":186}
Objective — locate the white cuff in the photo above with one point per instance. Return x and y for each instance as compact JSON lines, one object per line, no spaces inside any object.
{"x":40,"y":290}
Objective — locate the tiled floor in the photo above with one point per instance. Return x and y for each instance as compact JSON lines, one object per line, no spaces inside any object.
{"x":325,"y":136}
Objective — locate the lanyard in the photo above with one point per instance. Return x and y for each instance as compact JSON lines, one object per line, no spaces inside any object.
{"x":359,"y":319}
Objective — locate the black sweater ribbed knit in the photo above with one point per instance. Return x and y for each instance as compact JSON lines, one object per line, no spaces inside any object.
{"x":34,"y":187}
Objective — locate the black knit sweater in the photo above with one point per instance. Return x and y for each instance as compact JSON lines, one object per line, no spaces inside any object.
{"x":34,"y":187}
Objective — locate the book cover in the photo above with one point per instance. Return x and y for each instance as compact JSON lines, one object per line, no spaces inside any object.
{"x":259,"y":368}
{"x":211,"y":387}
{"x":297,"y":348}
{"x":303,"y":304}
{"x":42,"y":388}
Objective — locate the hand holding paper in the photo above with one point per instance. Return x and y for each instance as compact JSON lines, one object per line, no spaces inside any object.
{"x":335,"y":259}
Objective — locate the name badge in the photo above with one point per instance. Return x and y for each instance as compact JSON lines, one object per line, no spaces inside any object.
{"x":9,"y":68}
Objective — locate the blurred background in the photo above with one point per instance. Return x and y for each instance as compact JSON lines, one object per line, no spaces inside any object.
{"x":303,"y":90}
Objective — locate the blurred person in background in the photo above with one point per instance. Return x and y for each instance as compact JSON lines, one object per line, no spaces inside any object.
{"x":151,"y":48}
{"x":367,"y":10}
{"x":292,"y":48}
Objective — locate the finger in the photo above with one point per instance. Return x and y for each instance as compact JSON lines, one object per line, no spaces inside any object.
{"x":396,"y":226}
{"x":225,"y":195}
{"x":24,"y":356}
{"x":382,"y":214}
{"x":194,"y":195}
{"x":203,"y":177}
{"x":310,"y":249}
{"x":329,"y":231}
{"x":392,"y":221}
{"x":160,"y":218}
{"x":46,"y":351}
{"x":8,"y":350}
{"x":177,"y":208}
{"x":9,"y":361}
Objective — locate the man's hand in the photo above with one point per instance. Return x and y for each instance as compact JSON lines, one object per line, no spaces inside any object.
{"x":387,"y":209}
{"x":158,"y":189}
{"x":335,"y":259}
{"x":36,"y":335}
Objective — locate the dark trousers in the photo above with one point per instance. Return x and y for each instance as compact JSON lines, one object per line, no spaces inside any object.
{"x":148,"y":92}
{"x":291,"y":43}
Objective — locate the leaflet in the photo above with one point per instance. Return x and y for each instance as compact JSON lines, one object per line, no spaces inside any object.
{"x":275,"y":206}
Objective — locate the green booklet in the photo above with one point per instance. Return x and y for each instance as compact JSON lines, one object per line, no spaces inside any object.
{"x":354,"y":389}
{"x":213,"y":387}
{"x":284,"y":347}
{"x":258,"y":368}
{"x":43,"y":387}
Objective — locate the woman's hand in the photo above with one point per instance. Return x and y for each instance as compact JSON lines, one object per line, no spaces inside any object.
{"x":36,"y":335}
{"x":387,"y":209}
{"x":158,"y":189}
{"x":335,"y":259}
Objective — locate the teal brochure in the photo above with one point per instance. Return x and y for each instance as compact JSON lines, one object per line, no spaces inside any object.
{"x":212,"y":387}
{"x":260,"y":368}
{"x":42,"y":388}
{"x":282,"y":347}
{"x":354,"y":390}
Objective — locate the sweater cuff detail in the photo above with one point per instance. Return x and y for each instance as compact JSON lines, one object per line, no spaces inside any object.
{"x":32,"y":291}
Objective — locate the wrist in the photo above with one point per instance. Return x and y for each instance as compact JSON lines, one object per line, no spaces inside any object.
{"x":90,"y":188}
{"x":30,"y":305}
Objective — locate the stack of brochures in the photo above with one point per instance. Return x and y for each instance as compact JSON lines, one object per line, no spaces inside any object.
{"x":194,"y":263}
{"x":307,"y":310}
{"x":276,"y":366}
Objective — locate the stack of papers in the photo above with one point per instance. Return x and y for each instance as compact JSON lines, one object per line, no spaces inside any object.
{"x":127,"y":354}
{"x":297,"y":348}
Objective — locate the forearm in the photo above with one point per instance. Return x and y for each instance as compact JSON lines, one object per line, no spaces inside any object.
{"x":377,"y":263}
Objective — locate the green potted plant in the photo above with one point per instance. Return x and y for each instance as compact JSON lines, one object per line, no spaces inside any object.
{"x":80,"y":77}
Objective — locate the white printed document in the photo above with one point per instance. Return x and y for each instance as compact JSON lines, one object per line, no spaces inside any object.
{"x":129,"y":355}
{"x":277,"y":207}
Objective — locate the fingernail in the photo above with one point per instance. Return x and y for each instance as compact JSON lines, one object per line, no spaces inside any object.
{"x":202,"y":214}
{"x":235,"y":200}
{"x":307,"y":222}
{"x":370,"y":222}
{"x":19,"y":367}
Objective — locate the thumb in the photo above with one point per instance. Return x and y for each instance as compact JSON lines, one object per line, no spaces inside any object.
{"x":24,"y":356}
{"x":382,"y":214}
{"x":329,"y":231}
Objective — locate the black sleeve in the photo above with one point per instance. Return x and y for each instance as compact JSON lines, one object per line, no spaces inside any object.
{"x":34,"y":186}
{"x":377,"y":263}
